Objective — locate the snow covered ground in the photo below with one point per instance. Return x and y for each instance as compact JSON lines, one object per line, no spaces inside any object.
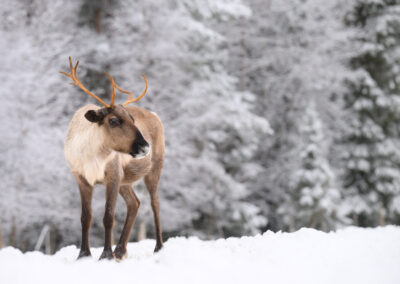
{"x":351,"y":255}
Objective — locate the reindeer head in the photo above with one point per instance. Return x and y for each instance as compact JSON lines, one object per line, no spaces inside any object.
{"x":118,"y":125}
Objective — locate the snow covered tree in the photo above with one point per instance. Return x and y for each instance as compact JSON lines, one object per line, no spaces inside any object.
{"x":372,"y":174}
{"x":287,"y":53}
{"x":313,"y":196}
{"x":211,"y":130}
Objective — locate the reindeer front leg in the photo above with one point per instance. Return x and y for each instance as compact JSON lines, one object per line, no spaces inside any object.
{"x":86,"y":192}
{"x":112,"y":179}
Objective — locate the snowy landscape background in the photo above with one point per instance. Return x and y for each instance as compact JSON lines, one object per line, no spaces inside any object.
{"x":278,"y":114}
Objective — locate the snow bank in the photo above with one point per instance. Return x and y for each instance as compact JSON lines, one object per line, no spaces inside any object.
{"x":352,"y":255}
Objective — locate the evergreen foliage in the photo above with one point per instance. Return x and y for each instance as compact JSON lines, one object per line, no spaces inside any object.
{"x":211,"y":130}
{"x":372,"y":173}
{"x":313,"y":197}
{"x":250,"y":95}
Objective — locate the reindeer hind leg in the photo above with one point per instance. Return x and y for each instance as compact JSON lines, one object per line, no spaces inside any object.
{"x":151,"y":181}
{"x":132,"y":206}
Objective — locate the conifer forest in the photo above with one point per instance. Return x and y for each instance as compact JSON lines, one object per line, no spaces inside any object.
{"x":277,"y":114}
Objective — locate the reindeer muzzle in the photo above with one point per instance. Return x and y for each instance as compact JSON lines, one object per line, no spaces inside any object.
{"x":140,"y":148}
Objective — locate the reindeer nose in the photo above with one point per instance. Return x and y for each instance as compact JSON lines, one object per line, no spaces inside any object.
{"x":144,"y":150}
{"x":140,"y":151}
{"x":140,"y":147}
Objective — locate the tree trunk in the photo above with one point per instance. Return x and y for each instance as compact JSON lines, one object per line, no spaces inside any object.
{"x":98,"y":16}
{"x":381,"y":216}
{"x":13,"y":234}
{"x":52,"y":239}
{"x":142,"y":234}
{"x":47,"y":242}
{"x":1,"y":238}
{"x":24,"y":245}
{"x":242,"y":79}
{"x":355,"y":219}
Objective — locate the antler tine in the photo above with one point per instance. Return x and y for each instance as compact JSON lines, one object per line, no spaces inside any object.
{"x":125,"y":92}
{"x":113,"y":89}
{"x":76,"y":82}
{"x":130,"y":99}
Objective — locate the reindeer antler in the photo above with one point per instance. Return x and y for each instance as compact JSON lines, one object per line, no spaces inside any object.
{"x":130,"y":98}
{"x":79,"y":84}
{"x":76,"y":82}
{"x":113,"y":89}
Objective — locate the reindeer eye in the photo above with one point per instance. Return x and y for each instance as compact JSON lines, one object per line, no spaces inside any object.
{"x":114,"y":122}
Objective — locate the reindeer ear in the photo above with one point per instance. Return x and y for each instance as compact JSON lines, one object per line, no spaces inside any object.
{"x":93,"y":116}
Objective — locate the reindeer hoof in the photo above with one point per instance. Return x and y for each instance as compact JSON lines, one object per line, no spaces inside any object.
{"x":158,"y":247}
{"x":84,"y":254}
{"x":107,"y":254}
{"x":120,"y":253}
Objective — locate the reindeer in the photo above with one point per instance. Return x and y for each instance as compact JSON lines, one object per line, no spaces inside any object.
{"x":115,"y":146}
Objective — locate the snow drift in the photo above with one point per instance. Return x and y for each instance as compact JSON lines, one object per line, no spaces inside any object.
{"x":351,"y":255}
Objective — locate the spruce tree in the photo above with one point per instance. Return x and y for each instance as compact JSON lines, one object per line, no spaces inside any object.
{"x":313,"y":197}
{"x":372,"y":173}
{"x":211,"y":130}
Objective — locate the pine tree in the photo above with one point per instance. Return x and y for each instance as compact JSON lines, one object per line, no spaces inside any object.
{"x":210,"y":128}
{"x":372,"y":174}
{"x":313,"y":196}
{"x":213,"y":160}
